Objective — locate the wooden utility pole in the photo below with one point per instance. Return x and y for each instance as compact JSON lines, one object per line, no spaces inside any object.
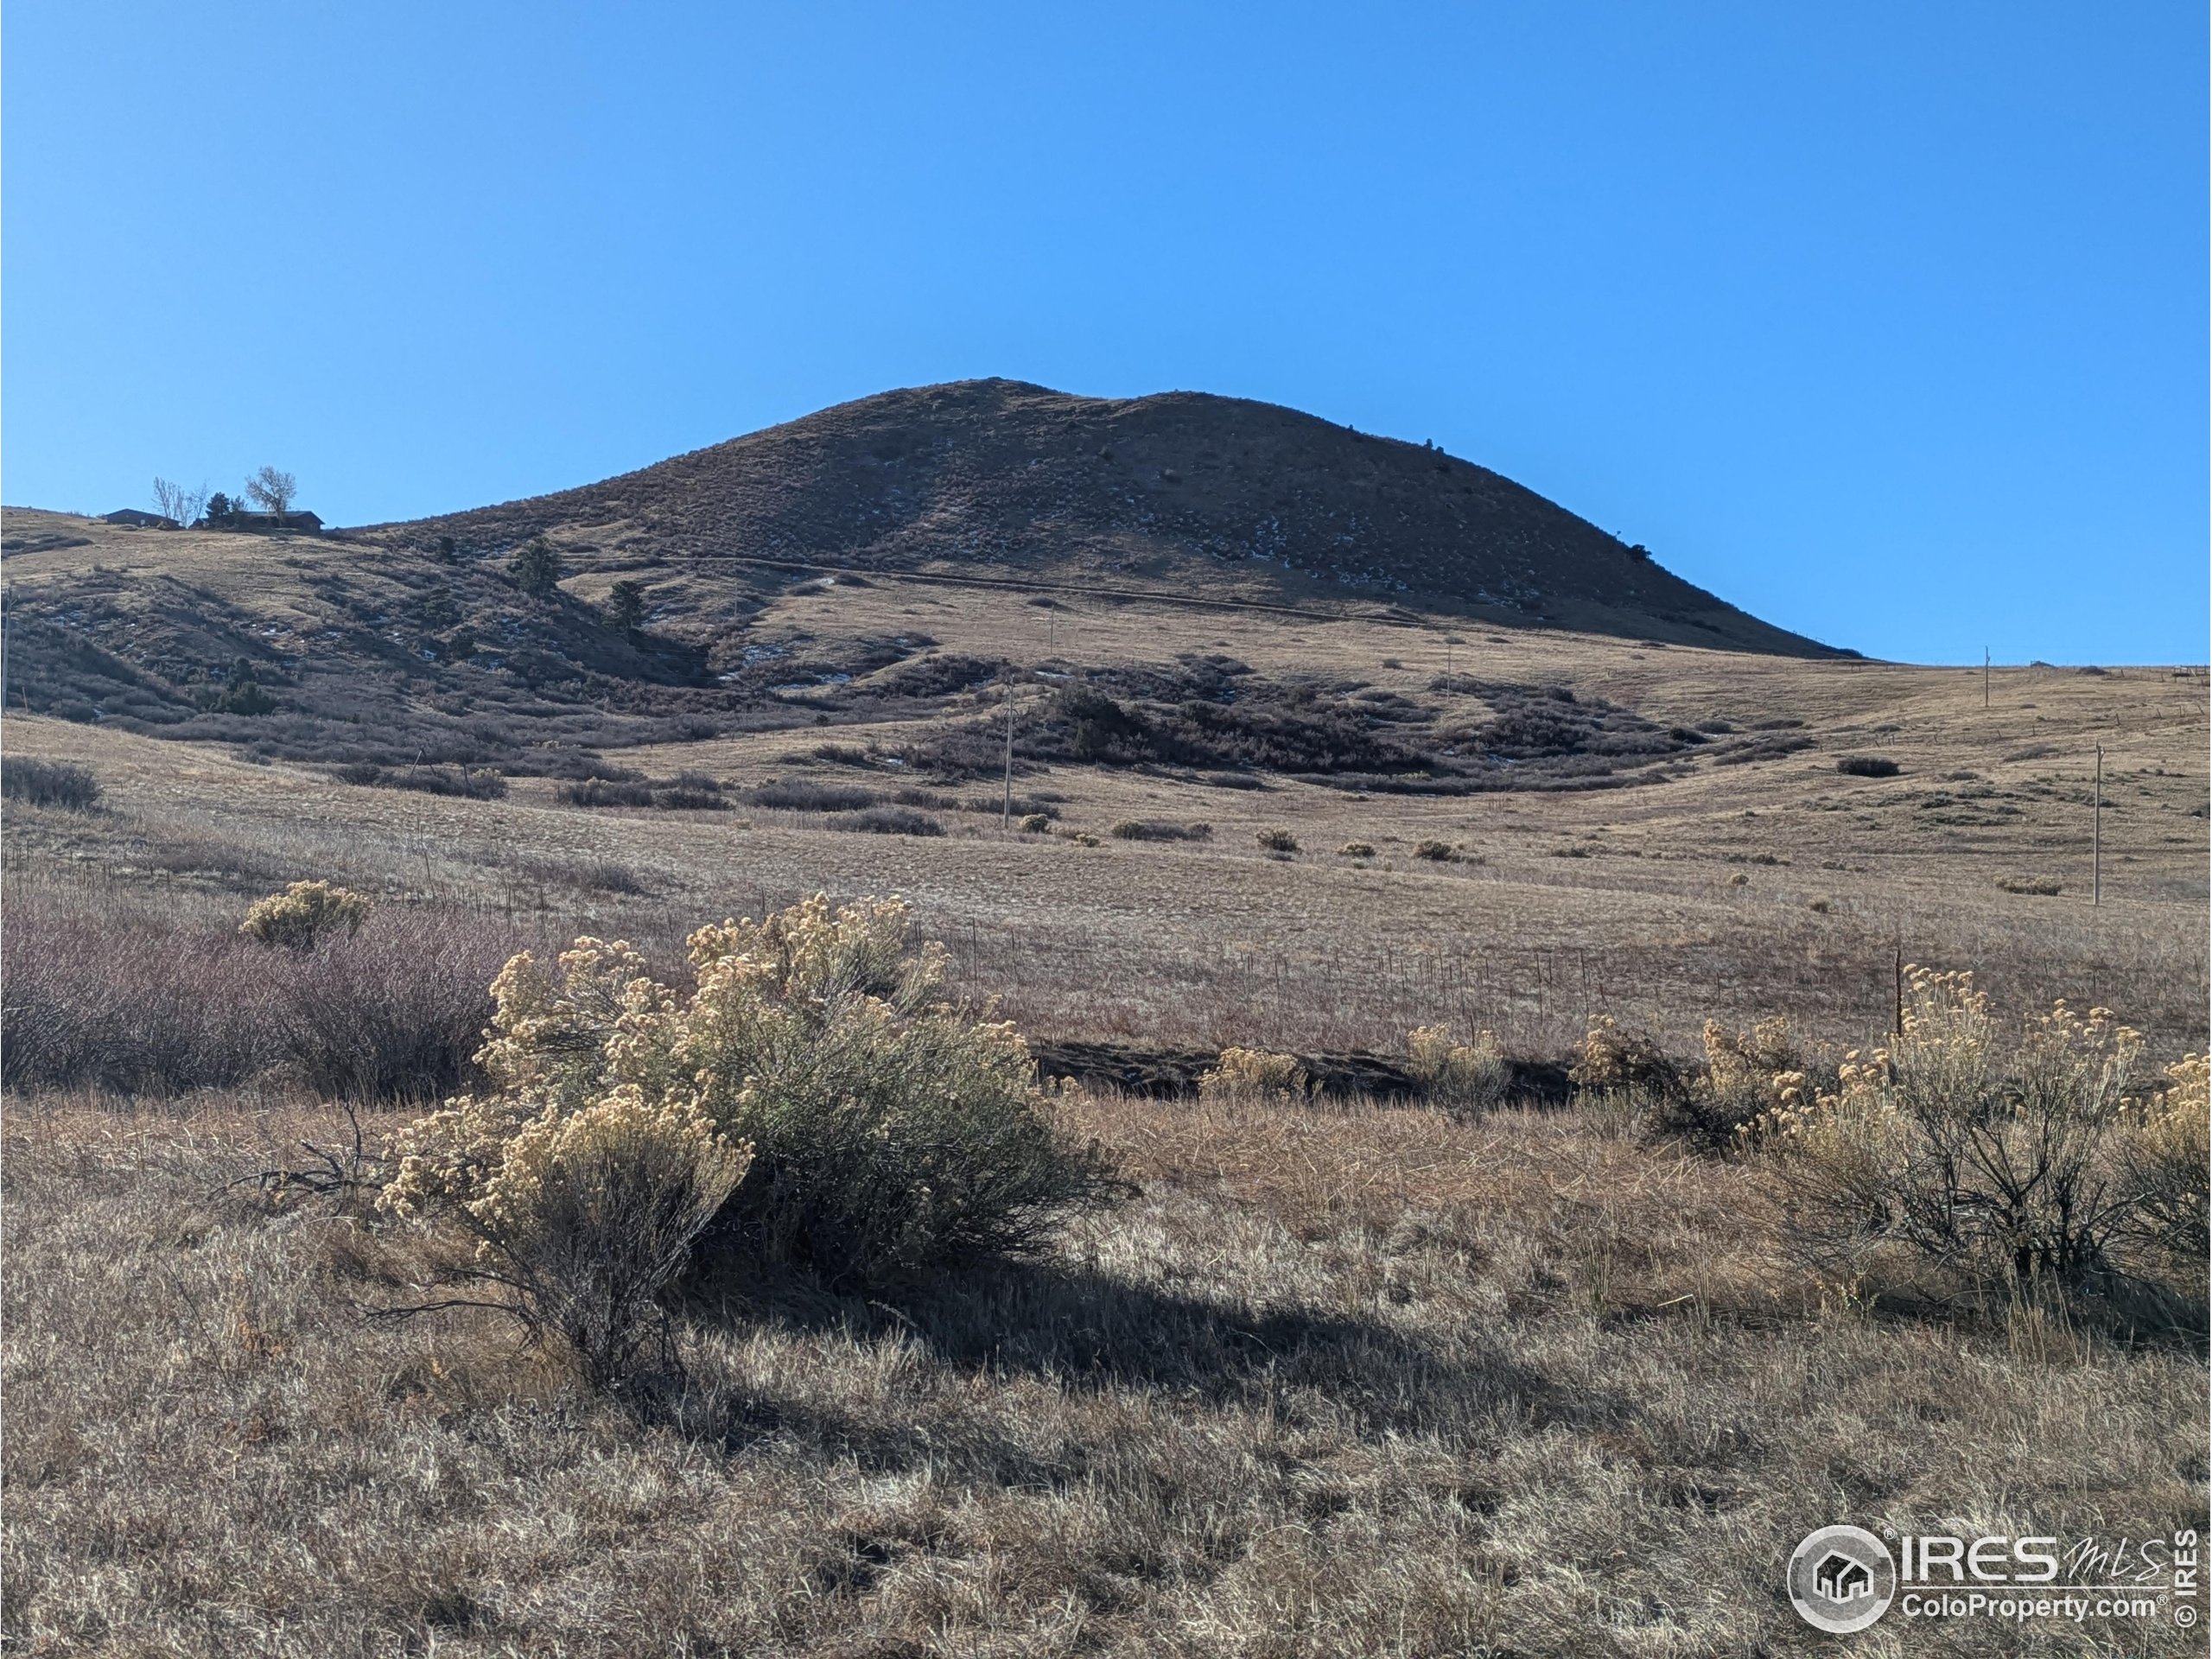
{"x":1984,"y":676}
{"x":2097,"y":836}
{"x":1006,"y":809}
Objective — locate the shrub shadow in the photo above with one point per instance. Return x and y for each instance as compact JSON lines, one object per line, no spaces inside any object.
{"x":1087,"y":1330}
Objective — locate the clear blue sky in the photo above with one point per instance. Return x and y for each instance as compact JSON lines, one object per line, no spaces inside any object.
{"x":1886,"y":321}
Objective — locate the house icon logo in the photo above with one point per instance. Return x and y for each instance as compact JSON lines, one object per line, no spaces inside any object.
{"x":1842,"y":1579}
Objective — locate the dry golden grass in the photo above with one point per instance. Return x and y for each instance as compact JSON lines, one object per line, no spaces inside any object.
{"x":1217,"y":942}
{"x":1339,"y":1382}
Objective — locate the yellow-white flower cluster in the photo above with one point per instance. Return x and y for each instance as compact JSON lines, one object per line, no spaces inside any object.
{"x":1255,"y":1074}
{"x":1477,"y":1072}
{"x":304,"y":913}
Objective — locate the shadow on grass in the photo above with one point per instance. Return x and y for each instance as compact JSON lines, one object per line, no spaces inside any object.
{"x":1087,"y":1331}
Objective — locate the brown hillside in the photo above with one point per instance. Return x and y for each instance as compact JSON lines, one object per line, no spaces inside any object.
{"x":1183,"y":492}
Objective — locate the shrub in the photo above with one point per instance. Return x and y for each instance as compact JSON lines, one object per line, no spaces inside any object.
{"x":392,"y":1013}
{"x":2168,"y":1158}
{"x":1745,"y":1075}
{"x":246,"y":697}
{"x":1033,"y":823}
{"x":892,"y":1132}
{"x":600,"y":791}
{"x":134,"y":1003}
{"x":797,"y":795}
{"x":1277,"y":841}
{"x":468,"y":782}
{"x":49,"y":783}
{"x":1442,"y":852}
{"x":585,"y":1218}
{"x":887,"y":821}
{"x":1473,"y":1074}
{"x":1611,"y":1060}
{"x":1154,"y":830}
{"x":1867,"y":765}
{"x":1356,"y":849}
{"x":681,"y":799}
{"x":304,"y":913}
{"x":1956,"y":1161}
{"x":2042,"y":887}
{"x":1250,"y":1074}
{"x":109,"y":996}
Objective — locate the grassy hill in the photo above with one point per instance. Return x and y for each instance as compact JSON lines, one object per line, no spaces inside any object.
{"x":413,"y":645}
{"x":1181,"y":493}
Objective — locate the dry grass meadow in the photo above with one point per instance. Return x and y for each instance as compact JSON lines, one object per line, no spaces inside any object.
{"x":1344,"y":1377}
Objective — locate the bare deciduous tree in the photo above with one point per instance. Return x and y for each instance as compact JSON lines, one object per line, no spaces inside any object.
{"x":272,"y":490}
{"x":175,"y":501}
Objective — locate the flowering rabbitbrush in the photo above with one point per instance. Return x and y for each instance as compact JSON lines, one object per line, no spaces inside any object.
{"x":891,"y":1132}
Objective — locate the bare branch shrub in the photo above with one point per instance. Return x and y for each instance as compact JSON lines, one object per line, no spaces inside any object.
{"x":49,"y":783}
{"x":108,"y":997}
{"x":394,"y":1012}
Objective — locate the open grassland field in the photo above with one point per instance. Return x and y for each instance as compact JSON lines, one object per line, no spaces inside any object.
{"x":1339,"y":1382}
{"x":1677,"y":841}
{"x":1360,"y":1374}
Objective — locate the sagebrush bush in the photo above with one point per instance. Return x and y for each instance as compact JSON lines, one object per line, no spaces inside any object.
{"x":1253,"y":1074}
{"x":1961,"y":1161}
{"x":1356,"y":849}
{"x":1032,"y":824}
{"x":1440,"y":851}
{"x":49,"y":783}
{"x":1277,"y":841}
{"x":584,"y":1217}
{"x":892,"y":1131}
{"x":304,"y":913}
{"x":1469,"y":1074}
